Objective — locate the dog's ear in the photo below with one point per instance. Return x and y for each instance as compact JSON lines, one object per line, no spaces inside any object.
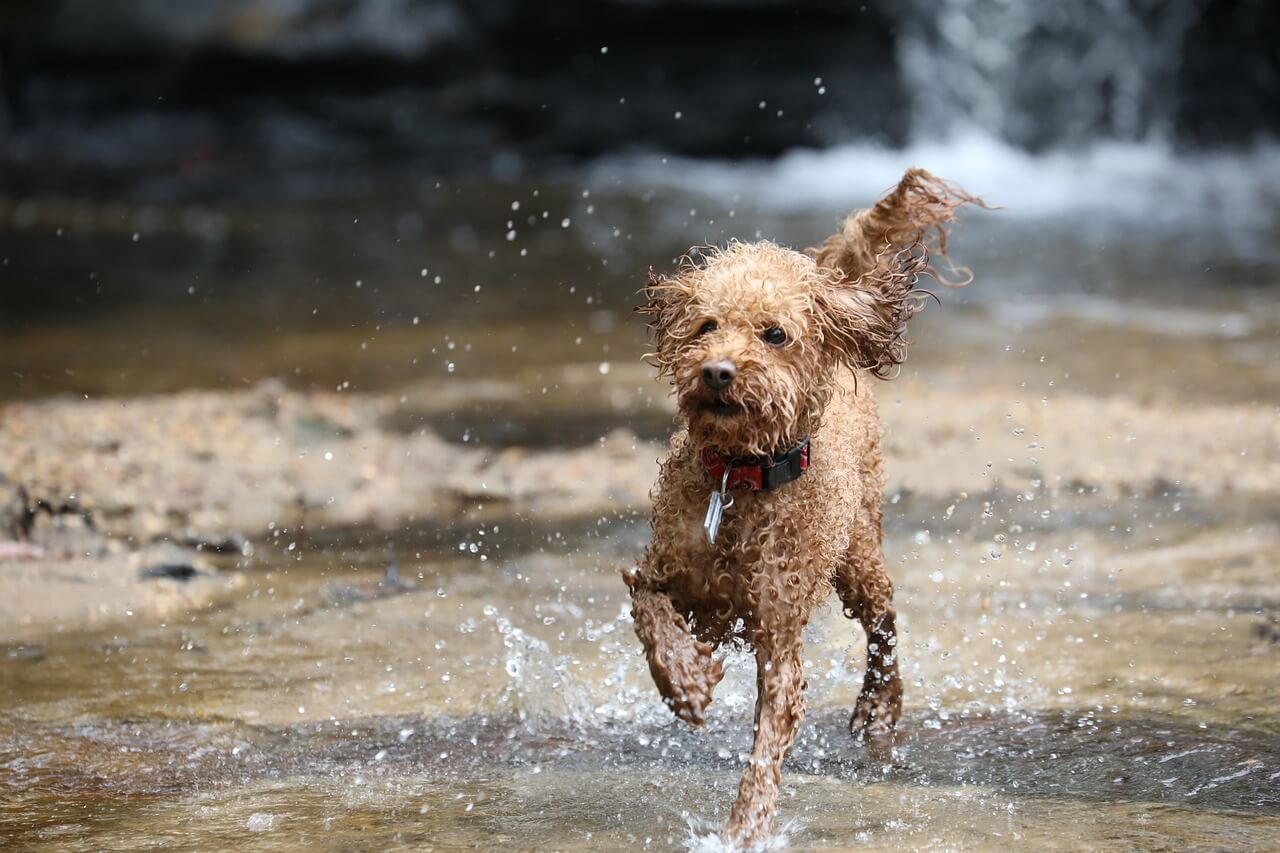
{"x":874,"y":263}
{"x":667,"y":302}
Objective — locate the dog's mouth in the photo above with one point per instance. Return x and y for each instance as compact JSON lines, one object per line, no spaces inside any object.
{"x":721,"y":408}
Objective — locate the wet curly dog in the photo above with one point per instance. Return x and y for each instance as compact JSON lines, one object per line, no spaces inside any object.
{"x":771,"y":494}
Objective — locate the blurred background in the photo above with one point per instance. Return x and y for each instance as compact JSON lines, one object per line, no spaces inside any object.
{"x":329,"y":191}
{"x":324,"y":430}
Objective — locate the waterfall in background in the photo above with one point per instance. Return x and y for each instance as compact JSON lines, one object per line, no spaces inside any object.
{"x":1043,"y":75}
{"x":1154,"y":110}
{"x":1050,"y":109}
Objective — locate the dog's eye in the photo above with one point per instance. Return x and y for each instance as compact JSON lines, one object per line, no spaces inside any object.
{"x":709,"y":326}
{"x":774,"y":336}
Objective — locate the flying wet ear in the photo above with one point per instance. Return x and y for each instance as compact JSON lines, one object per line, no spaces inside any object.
{"x":864,"y":323}
{"x":875,"y":263}
{"x":910,"y":220}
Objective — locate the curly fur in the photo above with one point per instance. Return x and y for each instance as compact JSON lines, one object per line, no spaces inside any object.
{"x":879,"y":255}
{"x":843,"y":307}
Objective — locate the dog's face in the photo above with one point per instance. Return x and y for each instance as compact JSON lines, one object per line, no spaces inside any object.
{"x":751,"y":340}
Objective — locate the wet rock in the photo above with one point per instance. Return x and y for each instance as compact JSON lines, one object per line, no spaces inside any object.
{"x":173,"y":571}
{"x":473,"y":82}
{"x":340,"y":595}
{"x":229,"y":543}
{"x":257,"y":97}
{"x":25,"y":651}
{"x":1268,"y":630}
{"x":214,"y":470}
{"x":15,"y":516}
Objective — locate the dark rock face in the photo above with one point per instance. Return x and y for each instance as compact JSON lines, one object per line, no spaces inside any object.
{"x":508,"y":86}
{"x":231,"y":88}
{"x":725,"y":80}
{"x":1229,"y":77}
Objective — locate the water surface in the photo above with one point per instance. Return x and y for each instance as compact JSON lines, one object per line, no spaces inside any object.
{"x":1069,"y":685}
{"x":1082,"y":671}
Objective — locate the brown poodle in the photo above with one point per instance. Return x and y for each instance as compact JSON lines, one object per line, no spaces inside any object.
{"x":771,"y":494}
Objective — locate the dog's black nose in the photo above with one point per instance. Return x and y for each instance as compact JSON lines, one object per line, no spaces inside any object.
{"x":718,"y":374}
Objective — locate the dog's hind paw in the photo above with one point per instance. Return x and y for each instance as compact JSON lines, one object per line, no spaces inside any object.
{"x":876,"y":713}
{"x":686,"y":676}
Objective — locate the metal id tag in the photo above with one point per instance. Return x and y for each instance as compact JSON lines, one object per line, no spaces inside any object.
{"x":720,"y":501}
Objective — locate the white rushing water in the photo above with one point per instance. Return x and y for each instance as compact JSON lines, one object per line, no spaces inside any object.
{"x":1147,"y":182}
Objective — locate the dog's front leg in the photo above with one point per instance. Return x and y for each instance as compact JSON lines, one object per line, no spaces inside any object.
{"x":682,"y":667}
{"x":779,"y":711}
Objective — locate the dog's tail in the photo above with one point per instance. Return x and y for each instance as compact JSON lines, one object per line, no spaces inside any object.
{"x":904,"y":226}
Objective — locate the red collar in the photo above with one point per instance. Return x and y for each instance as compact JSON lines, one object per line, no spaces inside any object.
{"x":756,"y":474}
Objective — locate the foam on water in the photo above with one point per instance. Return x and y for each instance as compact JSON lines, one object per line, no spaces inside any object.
{"x":1147,"y":182}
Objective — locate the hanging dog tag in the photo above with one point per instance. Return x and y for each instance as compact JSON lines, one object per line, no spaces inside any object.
{"x":720,"y":501}
{"x":711,"y":524}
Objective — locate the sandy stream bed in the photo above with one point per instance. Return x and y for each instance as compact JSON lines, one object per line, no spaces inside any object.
{"x":94,"y":494}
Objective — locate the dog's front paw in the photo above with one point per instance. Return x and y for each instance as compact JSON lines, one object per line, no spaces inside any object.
{"x":878,"y":709}
{"x":686,"y":676}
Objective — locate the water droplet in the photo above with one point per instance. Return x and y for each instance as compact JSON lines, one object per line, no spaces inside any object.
{"x":260,"y":822}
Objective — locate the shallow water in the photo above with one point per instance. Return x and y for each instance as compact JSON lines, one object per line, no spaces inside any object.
{"x":1069,"y":685}
{"x":1081,"y":671}
{"x":1163,"y":289}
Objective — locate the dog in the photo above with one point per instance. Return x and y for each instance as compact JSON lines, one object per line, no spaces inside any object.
{"x":770,"y":497}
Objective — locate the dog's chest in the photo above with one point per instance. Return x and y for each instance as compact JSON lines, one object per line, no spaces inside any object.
{"x":761,"y":531}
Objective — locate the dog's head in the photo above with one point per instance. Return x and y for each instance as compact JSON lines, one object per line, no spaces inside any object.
{"x":753,"y":335}
{"x":746,"y":337}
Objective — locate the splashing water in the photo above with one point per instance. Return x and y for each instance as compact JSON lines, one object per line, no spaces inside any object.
{"x":1046,"y":696}
{"x":704,"y":837}
{"x":540,"y":689}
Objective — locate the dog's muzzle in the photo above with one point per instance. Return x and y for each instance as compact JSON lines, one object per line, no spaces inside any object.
{"x":719,"y":375}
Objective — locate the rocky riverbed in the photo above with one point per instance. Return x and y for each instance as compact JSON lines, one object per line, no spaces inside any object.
{"x":361,"y":587}
{"x":136,"y":508}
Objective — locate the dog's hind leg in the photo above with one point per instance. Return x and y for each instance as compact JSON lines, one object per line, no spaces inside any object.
{"x":867,"y":595}
{"x":682,"y":667}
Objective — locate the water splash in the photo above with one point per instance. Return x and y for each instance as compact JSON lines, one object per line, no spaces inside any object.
{"x":703,"y":836}
{"x":540,"y":690}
